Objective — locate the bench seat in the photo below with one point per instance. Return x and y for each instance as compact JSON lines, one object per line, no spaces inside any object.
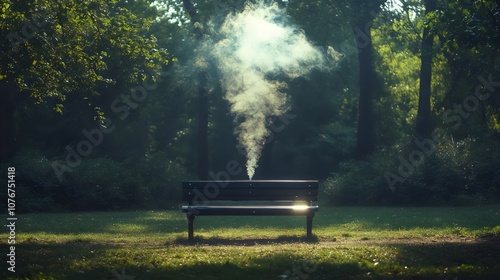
{"x":250,"y":198}
{"x":281,"y":210}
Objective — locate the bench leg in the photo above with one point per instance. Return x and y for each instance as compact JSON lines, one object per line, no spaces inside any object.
{"x":309,"y":225}
{"x":190,"y":226}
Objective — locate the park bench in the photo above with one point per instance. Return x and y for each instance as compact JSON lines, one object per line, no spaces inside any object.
{"x":250,"y":198}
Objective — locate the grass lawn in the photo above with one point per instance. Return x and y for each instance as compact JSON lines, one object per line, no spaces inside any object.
{"x":349,"y":243}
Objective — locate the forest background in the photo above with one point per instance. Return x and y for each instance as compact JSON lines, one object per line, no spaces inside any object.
{"x":109,"y":105}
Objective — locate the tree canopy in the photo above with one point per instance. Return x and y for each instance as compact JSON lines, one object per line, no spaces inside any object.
{"x":60,"y":48}
{"x":96,"y":115}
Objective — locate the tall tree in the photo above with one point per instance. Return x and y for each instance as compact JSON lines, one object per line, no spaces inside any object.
{"x":469,"y":34}
{"x":203,"y":13}
{"x":363,"y":14}
{"x":423,"y":122}
{"x":202,"y":138}
{"x":59,"y":49}
{"x":347,"y":19}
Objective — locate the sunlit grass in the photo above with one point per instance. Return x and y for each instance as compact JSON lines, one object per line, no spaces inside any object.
{"x":158,"y":226}
{"x":355,"y":243}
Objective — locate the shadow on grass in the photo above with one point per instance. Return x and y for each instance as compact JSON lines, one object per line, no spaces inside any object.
{"x":481,"y":253}
{"x":341,"y":218}
{"x":413,"y":260}
{"x":396,"y":218}
{"x":217,"y":241}
{"x":57,"y":261}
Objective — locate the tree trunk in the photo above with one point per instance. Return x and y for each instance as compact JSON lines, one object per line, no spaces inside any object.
{"x":423,"y":124}
{"x":202,"y":138}
{"x":7,"y":104}
{"x":202,"y":126}
{"x":365,"y":135}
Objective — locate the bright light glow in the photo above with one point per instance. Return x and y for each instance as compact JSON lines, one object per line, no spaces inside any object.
{"x":395,"y":5}
{"x":299,"y":207}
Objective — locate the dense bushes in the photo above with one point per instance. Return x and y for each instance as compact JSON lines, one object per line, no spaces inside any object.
{"x":95,"y":184}
{"x":457,"y":173}
{"x":34,"y":181}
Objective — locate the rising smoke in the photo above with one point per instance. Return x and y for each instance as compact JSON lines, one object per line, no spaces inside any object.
{"x":257,"y":44}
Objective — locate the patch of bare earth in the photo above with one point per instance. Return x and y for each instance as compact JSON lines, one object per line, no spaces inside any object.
{"x":450,"y":240}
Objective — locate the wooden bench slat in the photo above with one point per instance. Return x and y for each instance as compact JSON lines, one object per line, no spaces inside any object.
{"x":250,"y":190}
{"x":249,"y":210}
{"x":250,"y":194}
{"x":255,"y":183}
{"x":264,"y":184}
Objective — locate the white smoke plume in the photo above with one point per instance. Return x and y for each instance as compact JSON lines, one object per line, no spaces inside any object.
{"x":258,"y":44}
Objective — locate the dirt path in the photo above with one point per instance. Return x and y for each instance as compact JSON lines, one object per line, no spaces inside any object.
{"x":429,"y":241}
{"x":465,"y":240}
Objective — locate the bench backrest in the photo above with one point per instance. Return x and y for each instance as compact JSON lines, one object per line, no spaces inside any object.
{"x":196,"y":192}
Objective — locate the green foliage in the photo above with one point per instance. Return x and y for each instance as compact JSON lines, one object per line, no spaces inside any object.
{"x":103,"y":184}
{"x":457,"y":173}
{"x":163,"y":176}
{"x":473,"y":166}
{"x":98,"y":183}
{"x":56,"y":49}
{"x":461,"y":171}
{"x":397,"y":41}
{"x":338,"y":141}
{"x":81,"y":57}
{"x":361,"y":182}
{"x":35,"y":183}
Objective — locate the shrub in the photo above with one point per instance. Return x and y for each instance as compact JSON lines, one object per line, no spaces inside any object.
{"x":34,"y":182}
{"x":102,"y":184}
{"x":360,"y":182}
{"x":163,"y":177}
{"x":98,"y":183}
{"x":457,"y":173}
